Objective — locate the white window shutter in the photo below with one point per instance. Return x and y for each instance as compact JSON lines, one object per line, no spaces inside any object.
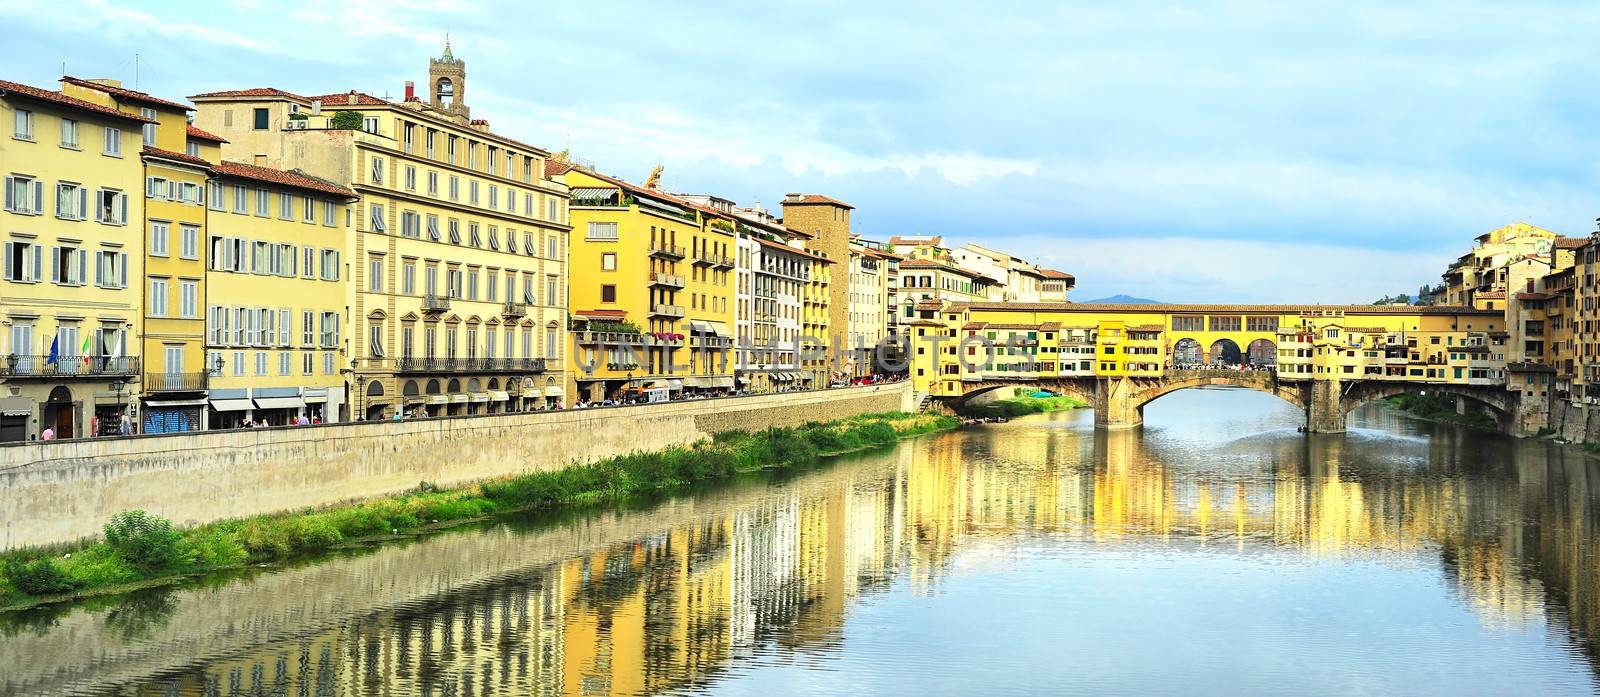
{"x":122,"y":268}
{"x":55,"y":265}
{"x":83,"y":203}
{"x":38,"y":197}
{"x":81,"y":272}
{"x":123,"y":219}
{"x":11,"y":194}
{"x":10,"y":256}
{"x":38,"y":261}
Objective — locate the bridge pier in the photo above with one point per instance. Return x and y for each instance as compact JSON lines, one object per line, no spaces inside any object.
{"x":1115,"y":405}
{"x":1325,"y":410}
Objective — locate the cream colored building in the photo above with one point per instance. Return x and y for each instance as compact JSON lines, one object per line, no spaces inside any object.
{"x":457,"y":294}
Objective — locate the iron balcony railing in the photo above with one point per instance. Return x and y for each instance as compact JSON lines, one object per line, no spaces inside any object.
{"x":662,"y":249}
{"x":470,"y":365}
{"x":512,"y":309}
{"x":69,"y":367}
{"x":177,"y":382}
{"x":713,"y":259}
{"x":664,"y":310}
{"x":435,"y":303}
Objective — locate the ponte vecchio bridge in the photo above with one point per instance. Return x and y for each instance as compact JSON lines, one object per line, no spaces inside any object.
{"x":1324,"y":359}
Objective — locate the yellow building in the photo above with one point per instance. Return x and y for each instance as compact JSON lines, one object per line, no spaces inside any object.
{"x":172,"y":268}
{"x":652,"y":298}
{"x":71,"y":225}
{"x":826,"y":223}
{"x":276,"y":294}
{"x":456,"y":279}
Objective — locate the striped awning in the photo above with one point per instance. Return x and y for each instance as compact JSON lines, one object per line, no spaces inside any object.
{"x":593,"y":193}
{"x":659,"y":205}
{"x":499,"y":395}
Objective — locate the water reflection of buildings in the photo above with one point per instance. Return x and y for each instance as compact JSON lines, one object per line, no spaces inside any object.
{"x":778,"y":571}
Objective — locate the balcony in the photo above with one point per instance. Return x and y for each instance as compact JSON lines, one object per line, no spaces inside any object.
{"x":663,"y":310}
{"x":69,"y":367}
{"x":669,"y":280}
{"x":434,"y":304}
{"x":710,"y":342}
{"x":511,"y":309}
{"x":667,"y":251}
{"x":712,"y":259}
{"x":470,"y":365}
{"x":177,"y":382}
{"x":613,"y":338}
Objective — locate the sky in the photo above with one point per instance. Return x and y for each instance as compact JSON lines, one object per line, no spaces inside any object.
{"x":1237,"y":152}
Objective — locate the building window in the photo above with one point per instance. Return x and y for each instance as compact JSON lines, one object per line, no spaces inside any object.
{"x":158,"y":297}
{"x":608,"y":261}
{"x":189,"y":299}
{"x":113,"y":142}
{"x":69,"y":134}
{"x":408,"y":278}
{"x":23,"y":124}
{"x":375,"y":275}
{"x":111,"y":207}
{"x":370,"y":124}
{"x":262,"y":120}
{"x":149,"y":129}
{"x":72,"y":201}
{"x":158,"y":239}
{"x":608,"y":293}
{"x":605,"y":232}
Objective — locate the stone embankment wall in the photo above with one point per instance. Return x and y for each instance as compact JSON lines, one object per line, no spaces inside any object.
{"x":62,"y":491}
{"x":1579,"y":423}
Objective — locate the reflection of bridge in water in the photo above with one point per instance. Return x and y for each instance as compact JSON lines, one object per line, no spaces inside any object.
{"x":645,"y":601}
{"x":1327,"y":404}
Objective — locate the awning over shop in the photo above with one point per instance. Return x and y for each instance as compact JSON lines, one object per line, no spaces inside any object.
{"x":162,"y":403}
{"x":479,"y":397}
{"x":317,"y":395}
{"x":279,"y":402}
{"x":458,"y":399}
{"x":499,"y":395}
{"x":699,"y":327}
{"x":554,"y":392}
{"x":675,"y":384}
{"x":722,"y":381}
{"x":721,"y":330}
{"x":532,"y":392}
{"x":438,"y":399}
{"x":695,"y":382}
{"x":232,"y":404}
{"x":660,"y":206}
{"x":744,"y":378}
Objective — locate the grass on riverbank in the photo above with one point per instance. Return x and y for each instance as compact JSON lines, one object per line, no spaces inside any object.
{"x":1441,"y":408}
{"x":140,"y":549}
{"x":1020,"y":405}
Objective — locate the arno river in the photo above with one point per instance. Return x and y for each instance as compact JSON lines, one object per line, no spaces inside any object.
{"x":1215,"y":551}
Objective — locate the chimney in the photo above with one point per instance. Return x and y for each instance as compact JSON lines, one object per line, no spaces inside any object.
{"x":411,"y":91}
{"x":352,"y":98}
{"x":316,"y":107}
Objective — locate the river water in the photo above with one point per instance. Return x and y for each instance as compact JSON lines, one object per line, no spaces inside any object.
{"x":1215,"y":551}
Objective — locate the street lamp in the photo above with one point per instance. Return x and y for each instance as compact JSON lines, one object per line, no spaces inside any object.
{"x":217,"y":371}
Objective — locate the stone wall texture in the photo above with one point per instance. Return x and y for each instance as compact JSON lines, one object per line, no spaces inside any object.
{"x":58,"y":492}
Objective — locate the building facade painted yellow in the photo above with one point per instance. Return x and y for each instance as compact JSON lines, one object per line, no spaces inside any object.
{"x":70,"y":287}
{"x":653,"y":290}
{"x":457,"y":281}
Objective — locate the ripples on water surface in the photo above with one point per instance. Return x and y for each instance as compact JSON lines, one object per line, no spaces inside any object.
{"x":1215,"y":551}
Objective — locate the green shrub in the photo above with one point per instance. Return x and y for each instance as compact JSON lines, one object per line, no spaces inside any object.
{"x":38,"y":577}
{"x":348,"y":120}
{"x":99,"y":565}
{"x":147,"y":542}
{"x":211,"y":548}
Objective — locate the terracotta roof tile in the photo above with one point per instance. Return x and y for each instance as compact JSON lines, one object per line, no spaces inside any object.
{"x":252,"y":92}
{"x":26,"y":91}
{"x":277,"y":176}
{"x":181,"y":157}
{"x":1050,"y":326}
{"x":332,"y":101}
{"x":1571,"y":242}
{"x":813,"y":200}
{"x":1052,"y":273}
{"x":125,"y":93}
{"x":203,"y":135}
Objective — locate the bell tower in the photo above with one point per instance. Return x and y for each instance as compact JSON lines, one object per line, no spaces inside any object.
{"x":447,"y":83}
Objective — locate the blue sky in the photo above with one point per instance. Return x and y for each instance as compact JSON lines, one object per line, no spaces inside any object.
{"x":1243,"y":152}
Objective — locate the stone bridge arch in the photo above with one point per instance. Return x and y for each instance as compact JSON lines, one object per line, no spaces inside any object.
{"x":1120,"y":403}
{"x":1501,"y":402}
{"x":1080,"y":389}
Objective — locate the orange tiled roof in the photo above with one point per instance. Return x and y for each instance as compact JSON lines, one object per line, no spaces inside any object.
{"x":252,"y":92}
{"x":125,"y":93}
{"x":8,"y":88}
{"x":339,"y":99}
{"x":181,"y":157}
{"x":813,"y":200}
{"x":1052,"y":273}
{"x":277,"y":176}
{"x":1571,"y":242}
{"x":203,"y":135}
